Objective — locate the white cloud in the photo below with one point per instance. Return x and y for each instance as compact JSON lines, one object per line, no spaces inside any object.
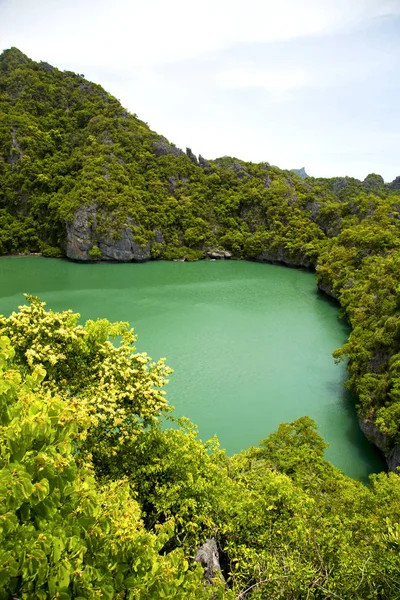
{"x":277,"y":81}
{"x":137,"y":32}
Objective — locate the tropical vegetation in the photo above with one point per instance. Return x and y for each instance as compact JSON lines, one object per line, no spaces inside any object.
{"x":99,"y":499}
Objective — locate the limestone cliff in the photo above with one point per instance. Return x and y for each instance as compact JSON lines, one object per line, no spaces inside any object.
{"x":374,"y":435}
{"x":285,"y":257}
{"x":85,"y":242}
{"x":326,"y":288}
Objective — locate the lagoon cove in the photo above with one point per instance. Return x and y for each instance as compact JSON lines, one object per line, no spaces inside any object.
{"x":250,"y":344}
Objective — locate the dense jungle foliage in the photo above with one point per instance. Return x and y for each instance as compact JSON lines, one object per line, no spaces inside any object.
{"x":97,"y":500}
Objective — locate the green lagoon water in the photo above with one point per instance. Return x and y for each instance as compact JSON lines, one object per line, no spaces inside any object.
{"x":250,"y":344}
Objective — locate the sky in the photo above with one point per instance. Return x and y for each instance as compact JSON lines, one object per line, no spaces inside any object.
{"x":295,"y":83}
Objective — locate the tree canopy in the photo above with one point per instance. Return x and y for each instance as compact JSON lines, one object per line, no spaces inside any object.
{"x":100,"y":499}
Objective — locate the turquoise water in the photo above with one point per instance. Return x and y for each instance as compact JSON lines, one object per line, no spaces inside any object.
{"x":250,"y":344}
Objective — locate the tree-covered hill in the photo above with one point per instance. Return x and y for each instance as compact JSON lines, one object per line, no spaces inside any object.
{"x":80,"y":176}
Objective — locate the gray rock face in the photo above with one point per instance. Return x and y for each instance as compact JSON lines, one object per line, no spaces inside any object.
{"x":240,"y":170}
{"x":395,"y":185}
{"x":159,"y":236}
{"x":207,"y":555}
{"x":124,"y":249}
{"x":339,"y":184}
{"x":324,"y":287}
{"x":203,"y":162}
{"x":82,"y":235}
{"x":192,"y":156}
{"x":379,"y":360}
{"x":44,"y":66}
{"x":267,"y":181}
{"x":162,"y":147}
{"x":173,"y":182}
{"x":374,"y":435}
{"x":330,"y":226}
{"x":281,"y":256}
{"x":393,"y":459}
{"x":16,"y":152}
{"x":315,"y":209}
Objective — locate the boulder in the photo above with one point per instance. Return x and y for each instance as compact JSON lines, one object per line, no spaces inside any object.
{"x":207,"y":555}
{"x":218,"y":254}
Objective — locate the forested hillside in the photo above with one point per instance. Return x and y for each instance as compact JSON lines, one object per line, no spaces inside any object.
{"x":82,"y":178}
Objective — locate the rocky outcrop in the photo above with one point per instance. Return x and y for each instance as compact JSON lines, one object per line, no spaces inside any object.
{"x":379,"y":362}
{"x":326,"y":288}
{"x":375,"y":435}
{"x":44,"y":66}
{"x":373,"y":182}
{"x":282,"y":256}
{"x":80,"y":233}
{"x":267,"y":181}
{"x":203,"y":162}
{"x":16,"y":151}
{"x":207,"y":555}
{"x":124,"y":249}
{"x":329,"y":224}
{"x":217,"y":254}
{"x":395,"y":184}
{"x":192,"y":156}
{"x":227,"y":162}
{"x":162,"y":147}
{"x":86,"y":243}
{"x":174,"y":181}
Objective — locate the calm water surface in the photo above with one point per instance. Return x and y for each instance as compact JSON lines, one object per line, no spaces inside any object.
{"x":250,"y":344}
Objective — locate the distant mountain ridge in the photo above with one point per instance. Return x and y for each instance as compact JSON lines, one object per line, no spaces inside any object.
{"x":300,"y":172}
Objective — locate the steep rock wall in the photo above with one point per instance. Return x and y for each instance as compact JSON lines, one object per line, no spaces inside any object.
{"x":83,"y":235}
{"x":375,"y":435}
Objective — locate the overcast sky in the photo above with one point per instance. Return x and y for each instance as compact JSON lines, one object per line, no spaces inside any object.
{"x":311,"y":83}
